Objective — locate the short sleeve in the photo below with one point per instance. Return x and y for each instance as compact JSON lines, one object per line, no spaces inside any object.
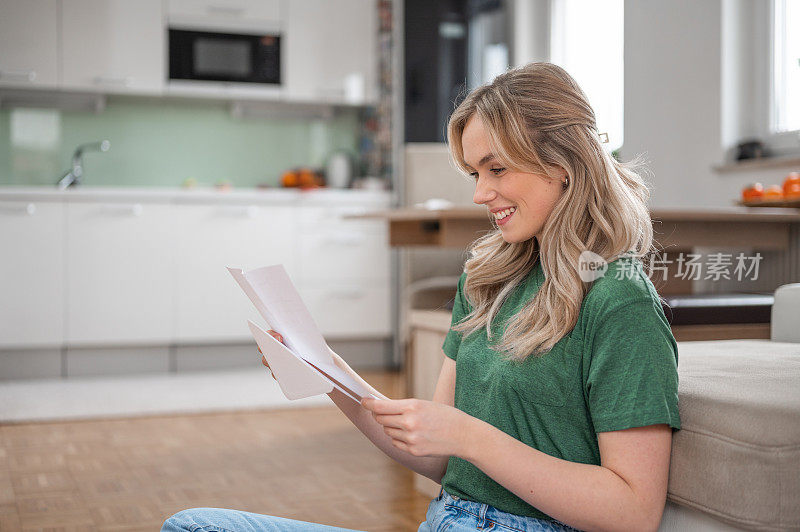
{"x":632,"y":376}
{"x":460,"y":310}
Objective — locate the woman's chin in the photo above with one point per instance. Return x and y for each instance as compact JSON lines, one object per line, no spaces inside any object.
{"x":513,"y":237}
{"x":510,"y":238}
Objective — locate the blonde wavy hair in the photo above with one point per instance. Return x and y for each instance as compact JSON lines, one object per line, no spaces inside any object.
{"x":538,"y":119}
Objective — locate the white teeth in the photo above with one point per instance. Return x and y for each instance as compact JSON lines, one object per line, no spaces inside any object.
{"x":502,"y":214}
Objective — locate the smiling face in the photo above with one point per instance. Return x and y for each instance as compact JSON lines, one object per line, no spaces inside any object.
{"x":521,"y":202}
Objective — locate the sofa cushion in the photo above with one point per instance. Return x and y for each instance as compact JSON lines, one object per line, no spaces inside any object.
{"x":737,"y":456}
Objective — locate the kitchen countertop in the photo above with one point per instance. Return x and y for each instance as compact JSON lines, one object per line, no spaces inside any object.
{"x":203,"y":195}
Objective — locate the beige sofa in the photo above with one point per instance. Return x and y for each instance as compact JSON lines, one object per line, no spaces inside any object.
{"x":736,"y":462}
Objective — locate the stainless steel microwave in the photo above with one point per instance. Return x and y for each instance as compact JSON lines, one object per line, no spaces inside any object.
{"x":215,"y":56}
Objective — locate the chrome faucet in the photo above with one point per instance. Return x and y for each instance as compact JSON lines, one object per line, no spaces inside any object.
{"x":73,"y":176}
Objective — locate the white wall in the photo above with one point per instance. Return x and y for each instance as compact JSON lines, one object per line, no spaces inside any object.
{"x":675,"y":64}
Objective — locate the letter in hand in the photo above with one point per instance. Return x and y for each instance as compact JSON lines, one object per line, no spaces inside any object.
{"x":279,"y":338}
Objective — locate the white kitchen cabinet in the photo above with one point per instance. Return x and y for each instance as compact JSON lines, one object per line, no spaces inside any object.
{"x":225,"y":15}
{"x":345,"y":270}
{"x":94,"y":270}
{"x":210,"y":305}
{"x":344,"y":252}
{"x":332,"y":247}
{"x":120,"y":273}
{"x":28,"y":43}
{"x":113,"y":45}
{"x":31,"y":274}
{"x":350,"y":309}
{"x":323,"y":61}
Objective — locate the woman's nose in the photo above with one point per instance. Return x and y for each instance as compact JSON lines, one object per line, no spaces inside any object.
{"x":483,"y":192}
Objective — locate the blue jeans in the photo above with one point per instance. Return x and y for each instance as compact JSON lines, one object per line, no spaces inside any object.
{"x":449,"y":513}
{"x":445,"y":513}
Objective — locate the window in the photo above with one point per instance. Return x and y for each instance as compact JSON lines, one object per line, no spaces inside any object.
{"x":785,"y":104}
{"x":594,"y":59}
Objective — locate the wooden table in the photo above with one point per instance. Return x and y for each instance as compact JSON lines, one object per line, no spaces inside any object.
{"x":675,"y":231}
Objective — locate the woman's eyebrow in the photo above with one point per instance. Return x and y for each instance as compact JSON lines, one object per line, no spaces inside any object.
{"x":485,"y":159}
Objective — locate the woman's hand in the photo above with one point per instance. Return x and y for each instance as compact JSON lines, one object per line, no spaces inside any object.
{"x":422,"y":428}
{"x":279,"y":338}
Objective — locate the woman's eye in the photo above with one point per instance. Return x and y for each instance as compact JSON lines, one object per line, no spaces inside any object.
{"x":494,"y":171}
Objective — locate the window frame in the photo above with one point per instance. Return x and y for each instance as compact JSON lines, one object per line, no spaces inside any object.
{"x":778,"y":142}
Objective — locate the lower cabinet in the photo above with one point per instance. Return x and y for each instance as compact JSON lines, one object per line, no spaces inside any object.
{"x":31,"y":274}
{"x":80,"y":279}
{"x":349,"y":309}
{"x":120,"y":269}
{"x":344,"y":271}
{"x":209,"y":305}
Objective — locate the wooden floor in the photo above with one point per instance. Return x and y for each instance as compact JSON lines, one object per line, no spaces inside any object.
{"x":131,"y":474}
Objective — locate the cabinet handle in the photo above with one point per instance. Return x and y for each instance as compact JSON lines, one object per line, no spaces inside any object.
{"x":18,"y":75}
{"x":103,"y":80}
{"x":351,"y":211}
{"x":134,"y":210}
{"x":29,"y":209}
{"x":225,"y":10}
{"x":343,"y":240}
{"x":250,"y":211}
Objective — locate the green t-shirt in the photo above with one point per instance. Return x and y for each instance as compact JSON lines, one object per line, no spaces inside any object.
{"x":615,"y":370}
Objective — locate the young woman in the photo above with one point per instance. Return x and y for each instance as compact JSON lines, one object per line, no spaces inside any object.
{"x":556,"y":402}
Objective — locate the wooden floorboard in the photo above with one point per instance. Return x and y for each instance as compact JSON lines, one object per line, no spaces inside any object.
{"x":132,"y":473}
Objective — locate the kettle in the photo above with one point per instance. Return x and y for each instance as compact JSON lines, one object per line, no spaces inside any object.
{"x":339,"y":169}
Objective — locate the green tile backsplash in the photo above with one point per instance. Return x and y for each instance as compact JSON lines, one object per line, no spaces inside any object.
{"x":159,"y":143}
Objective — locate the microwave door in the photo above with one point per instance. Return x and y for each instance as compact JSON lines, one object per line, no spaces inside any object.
{"x":212,"y":56}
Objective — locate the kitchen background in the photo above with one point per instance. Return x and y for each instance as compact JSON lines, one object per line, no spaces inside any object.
{"x":199,"y":173}
{"x":115,"y":302}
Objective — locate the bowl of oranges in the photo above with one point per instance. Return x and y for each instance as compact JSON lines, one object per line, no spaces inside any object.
{"x":785,"y":195}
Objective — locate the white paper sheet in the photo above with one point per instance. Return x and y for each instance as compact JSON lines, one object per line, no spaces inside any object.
{"x":295,"y":376}
{"x":273,"y":294}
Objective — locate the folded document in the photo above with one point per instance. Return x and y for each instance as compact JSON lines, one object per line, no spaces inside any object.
{"x":303,"y":366}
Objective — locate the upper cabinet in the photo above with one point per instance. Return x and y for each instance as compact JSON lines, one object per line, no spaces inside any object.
{"x":331,"y":51}
{"x":113,"y":45}
{"x":224,"y":14}
{"x":29,"y":43}
{"x":328,"y":49}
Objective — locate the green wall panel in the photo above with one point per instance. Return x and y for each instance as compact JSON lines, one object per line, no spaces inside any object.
{"x":157,"y":143}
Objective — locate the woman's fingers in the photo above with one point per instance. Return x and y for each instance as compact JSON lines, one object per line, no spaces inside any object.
{"x":264,"y":361}
{"x":396,"y":434}
{"x":391,"y":420}
{"x":279,"y":338}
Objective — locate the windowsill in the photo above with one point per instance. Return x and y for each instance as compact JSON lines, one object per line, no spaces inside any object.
{"x":792,"y":161}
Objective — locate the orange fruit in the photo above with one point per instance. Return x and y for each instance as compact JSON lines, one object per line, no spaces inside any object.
{"x":773,"y":193}
{"x":289,"y":179}
{"x":792,"y":191}
{"x":792,"y":180}
{"x":754,"y":192}
{"x":307,"y":178}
